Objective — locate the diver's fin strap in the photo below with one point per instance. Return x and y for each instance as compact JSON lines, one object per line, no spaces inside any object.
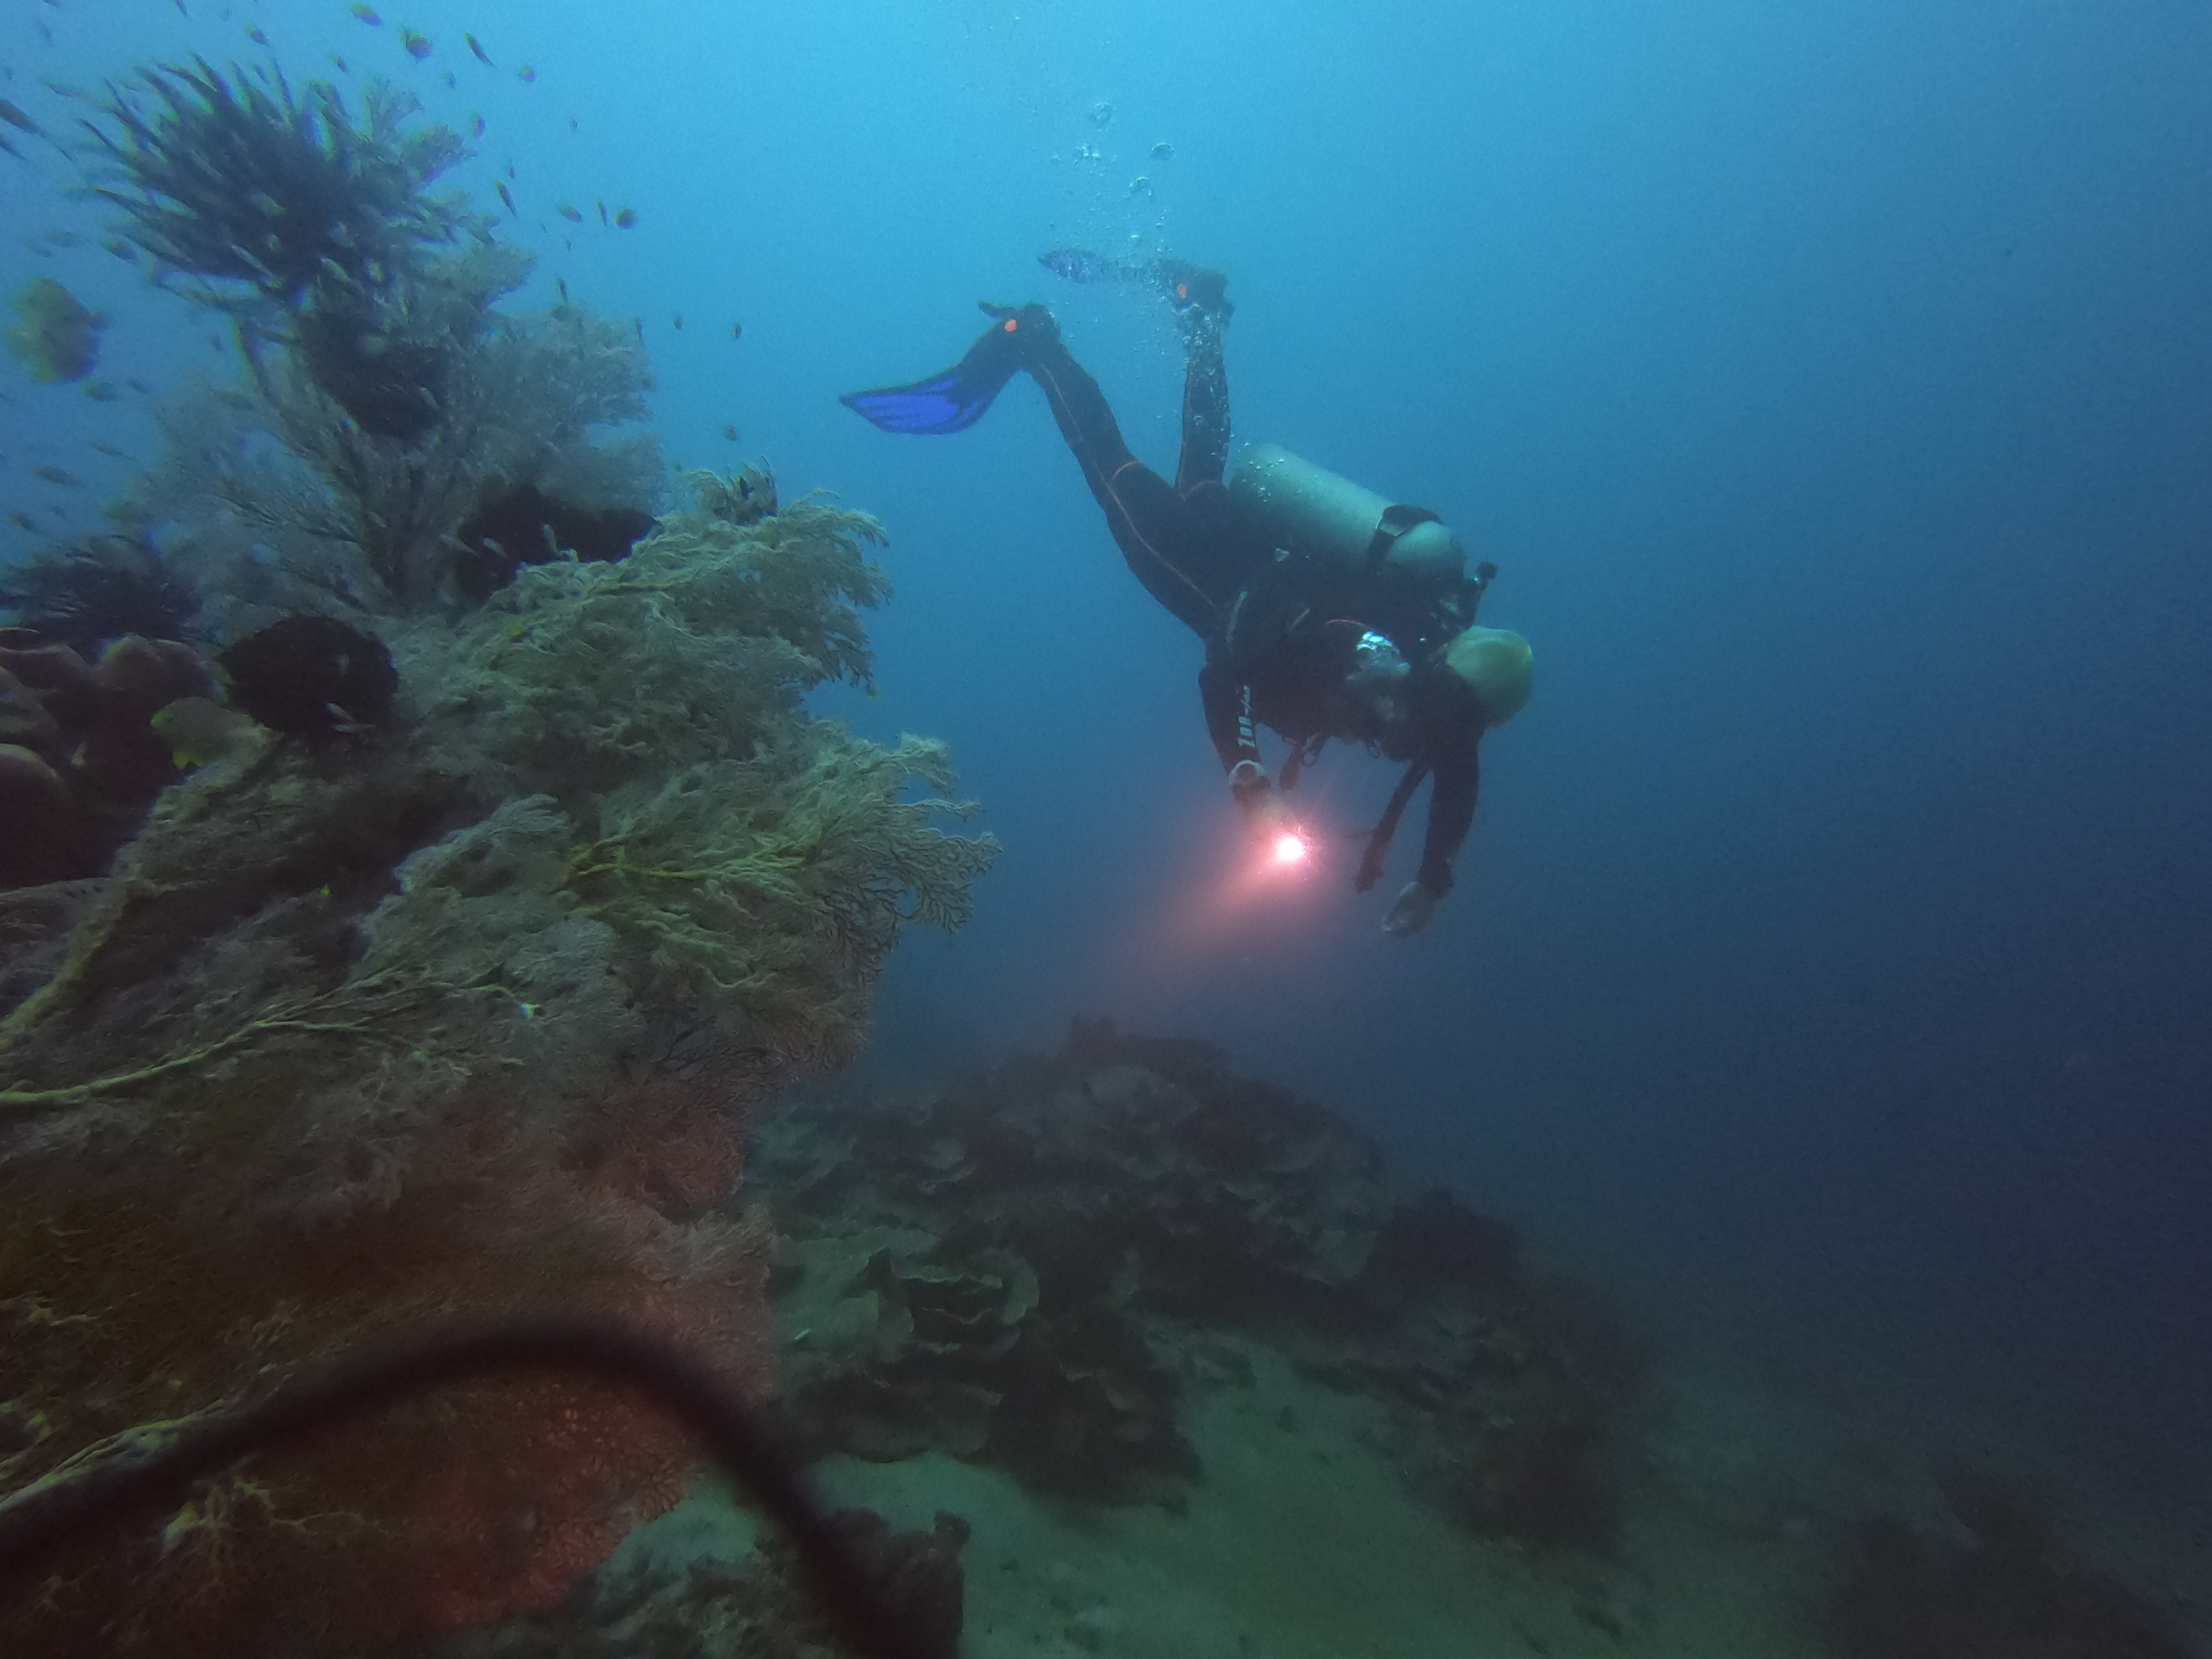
{"x":1397,"y":519}
{"x":1378,"y":843}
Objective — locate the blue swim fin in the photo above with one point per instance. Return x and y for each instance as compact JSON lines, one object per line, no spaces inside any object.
{"x":955,"y":400}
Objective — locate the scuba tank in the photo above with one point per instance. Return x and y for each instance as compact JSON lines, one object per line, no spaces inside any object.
{"x":1333,"y":521}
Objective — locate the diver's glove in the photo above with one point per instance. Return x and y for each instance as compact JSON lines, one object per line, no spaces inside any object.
{"x":1411,"y":911}
{"x":1266,"y":813}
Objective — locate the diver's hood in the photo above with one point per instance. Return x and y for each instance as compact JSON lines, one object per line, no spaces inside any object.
{"x":1313,"y":511}
{"x":1497,"y":665}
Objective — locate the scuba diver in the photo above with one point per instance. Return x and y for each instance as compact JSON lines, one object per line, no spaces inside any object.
{"x":1326,"y":611}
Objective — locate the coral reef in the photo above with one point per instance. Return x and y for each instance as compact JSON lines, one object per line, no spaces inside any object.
{"x":56,"y":337}
{"x":755,"y":1609}
{"x":442,"y":1022}
{"x":2006,"y":1588}
{"x":463,"y":1014}
{"x":1026,"y":1270}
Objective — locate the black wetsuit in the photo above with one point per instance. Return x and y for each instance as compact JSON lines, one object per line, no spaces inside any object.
{"x":1281,"y":633}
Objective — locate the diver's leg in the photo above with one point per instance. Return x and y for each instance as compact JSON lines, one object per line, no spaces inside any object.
{"x":1159,"y":535}
{"x":1204,"y":407}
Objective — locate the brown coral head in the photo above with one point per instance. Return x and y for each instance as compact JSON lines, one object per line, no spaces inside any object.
{"x":43,"y":665}
{"x":41,"y":816}
{"x":26,"y":723}
{"x":149,"y":673}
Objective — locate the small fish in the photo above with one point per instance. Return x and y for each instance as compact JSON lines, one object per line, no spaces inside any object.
{"x":475,"y":125}
{"x":603,"y":213}
{"x":10,"y":148}
{"x":140,"y":386}
{"x":1140,"y":185}
{"x":568,"y":213}
{"x":500,"y":184}
{"x":639,"y":323}
{"x":367,"y":13}
{"x":24,"y":521}
{"x":526,"y":73}
{"x":253,"y":33}
{"x":15,"y":117}
{"x":100,"y":392}
{"x":64,"y":239}
{"x":121,"y":249}
{"x":110,"y":449}
{"x":626,"y":218}
{"x":737,"y":331}
{"x":510,"y":169}
{"x":731,"y":433}
{"x":341,"y":63}
{"x":447,"y":77}
{"x":561,"y":284}
{"x":1163,"y":151}
{"x":418,"y":46}
{"x":54,"y":475}
{"x":200,"y":732}
{"x":572,"y":127}
{"x":476,"y":47}
{"x":181,"y":12}
{"x":679,"y":321}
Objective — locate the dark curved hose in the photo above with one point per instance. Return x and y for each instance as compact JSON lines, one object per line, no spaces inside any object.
{"x":46,"y":1515}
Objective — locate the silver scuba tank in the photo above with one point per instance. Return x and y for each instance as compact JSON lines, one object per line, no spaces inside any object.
{"x":1313,"y":511}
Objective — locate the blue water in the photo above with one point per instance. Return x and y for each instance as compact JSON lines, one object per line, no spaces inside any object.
{"x":1831,"y":961}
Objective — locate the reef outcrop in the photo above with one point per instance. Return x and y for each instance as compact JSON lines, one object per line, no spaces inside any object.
{"x":465,"y":1014}
{"x":1999,"y":1584}
{"x":760,"y":1607}
{"x":1033,"y":1270}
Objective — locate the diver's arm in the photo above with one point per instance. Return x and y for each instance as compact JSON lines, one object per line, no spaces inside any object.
{"x":1457,"y":774}
{"x":1227,"y":696}
{"x":1457,"y":781}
